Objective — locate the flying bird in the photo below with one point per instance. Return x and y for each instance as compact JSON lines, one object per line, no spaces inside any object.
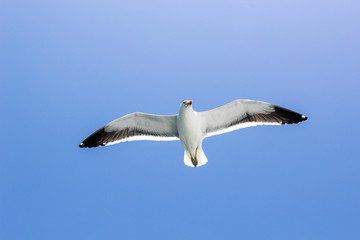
{"x":191,"y":127}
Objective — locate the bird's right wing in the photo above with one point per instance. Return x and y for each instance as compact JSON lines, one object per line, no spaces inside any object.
{"x":134,"y":126}
{"x":245,"y":113}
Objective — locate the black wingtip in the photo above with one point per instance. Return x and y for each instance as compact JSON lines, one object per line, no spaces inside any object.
{"x":289,"y":117}
{"x":98,"y":138}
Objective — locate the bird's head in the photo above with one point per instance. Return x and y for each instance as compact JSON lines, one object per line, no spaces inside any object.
{"x":186,"y":103}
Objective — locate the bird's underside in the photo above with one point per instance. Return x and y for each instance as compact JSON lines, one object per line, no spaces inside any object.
{"x":191,"y":127}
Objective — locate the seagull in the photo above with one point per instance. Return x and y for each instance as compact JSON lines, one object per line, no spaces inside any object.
{"x":191,"y":127}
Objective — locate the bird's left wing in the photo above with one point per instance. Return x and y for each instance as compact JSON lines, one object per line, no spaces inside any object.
{"x":134,"y":126}
{"x":245,"y":113}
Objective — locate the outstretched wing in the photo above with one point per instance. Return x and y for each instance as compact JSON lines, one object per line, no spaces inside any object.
{"x":245,"y":113}
{"x":134,"y":126}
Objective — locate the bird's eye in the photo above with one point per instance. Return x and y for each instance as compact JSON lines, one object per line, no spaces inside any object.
{"x":184,"y":102}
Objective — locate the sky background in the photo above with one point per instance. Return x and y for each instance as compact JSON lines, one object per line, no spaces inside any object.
{"x":69,"y":67}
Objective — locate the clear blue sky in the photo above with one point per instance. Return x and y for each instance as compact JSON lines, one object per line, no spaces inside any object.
{"x":69,"y":67}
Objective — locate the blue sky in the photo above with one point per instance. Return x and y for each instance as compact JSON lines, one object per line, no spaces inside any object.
{"x":69,"y":67}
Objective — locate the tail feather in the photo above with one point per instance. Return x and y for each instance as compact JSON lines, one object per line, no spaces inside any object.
{"x":195,"y":161}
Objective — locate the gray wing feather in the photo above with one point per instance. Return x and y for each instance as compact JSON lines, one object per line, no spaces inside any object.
{"x":245,"y":113}
{"x":134,"y":126}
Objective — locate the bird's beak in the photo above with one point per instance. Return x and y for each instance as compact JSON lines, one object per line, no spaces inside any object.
{"x":189,"y":103}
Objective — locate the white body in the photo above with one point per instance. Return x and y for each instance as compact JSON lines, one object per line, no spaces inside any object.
{"x":191,"y":136}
